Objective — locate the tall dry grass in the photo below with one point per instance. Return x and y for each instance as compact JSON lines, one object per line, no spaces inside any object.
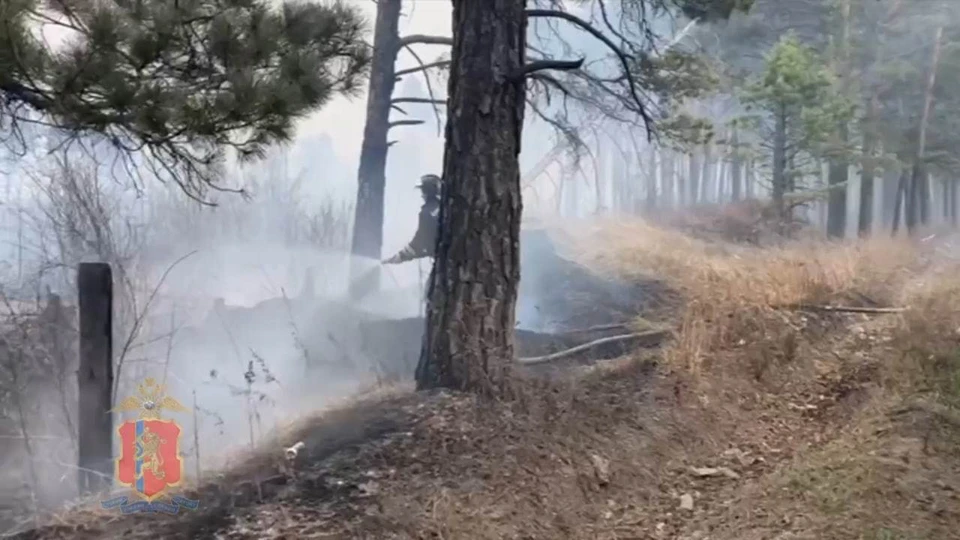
{"x":733,"y":293}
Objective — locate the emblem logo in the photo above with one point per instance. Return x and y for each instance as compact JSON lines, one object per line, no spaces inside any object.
{"x":150,"y":461}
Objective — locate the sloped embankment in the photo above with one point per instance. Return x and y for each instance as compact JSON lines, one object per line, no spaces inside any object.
{"x":768,"y":417}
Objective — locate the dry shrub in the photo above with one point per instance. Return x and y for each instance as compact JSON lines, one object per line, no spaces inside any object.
{"x":736,"y":294}
{"x":929,"y":336}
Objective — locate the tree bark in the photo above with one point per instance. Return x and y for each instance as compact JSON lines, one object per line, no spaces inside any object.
{"x":95,"y":377}
{"x":371,"y":176}
{"x":469,"y":338}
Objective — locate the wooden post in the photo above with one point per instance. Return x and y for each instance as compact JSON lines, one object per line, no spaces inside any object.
{"x":95,"y":377}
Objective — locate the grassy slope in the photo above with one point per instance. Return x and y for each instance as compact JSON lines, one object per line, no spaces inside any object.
{"x":818,"y":425}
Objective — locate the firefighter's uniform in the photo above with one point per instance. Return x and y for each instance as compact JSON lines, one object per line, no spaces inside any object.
{"x":425,"y":239}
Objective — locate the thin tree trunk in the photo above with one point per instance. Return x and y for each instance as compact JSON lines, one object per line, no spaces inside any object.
{"x":839,"y":170}
{"x":917,"y":177}
{"x":838,"y":174}
{"x":869,"y":168}
{"x":888,"y":196}
{"x":600,"y":170}
{"x":371,"y":176}
{"x":693,"y":173}
{"x":899,"y":201}
{"x":780,"y":166}
{"x":736,"y":167}
{"x":653,"y":169}
{"x":953,"y":202}
{"x":707,"y":174}
{"x":469,"y":338}
{"x":667,"y":172}
{"x":945,"y":194}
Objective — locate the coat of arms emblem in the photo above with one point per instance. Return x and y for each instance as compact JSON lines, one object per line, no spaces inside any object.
{"x":150,"y":461}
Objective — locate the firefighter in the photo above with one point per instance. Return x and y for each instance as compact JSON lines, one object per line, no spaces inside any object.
{"x":424,"y":241}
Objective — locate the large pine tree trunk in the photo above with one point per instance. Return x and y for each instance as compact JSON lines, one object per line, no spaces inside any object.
{"x":371,"y":176}
{"x":469,"y":338}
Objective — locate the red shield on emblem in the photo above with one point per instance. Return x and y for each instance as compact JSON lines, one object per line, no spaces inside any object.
{"x":149,"y":456}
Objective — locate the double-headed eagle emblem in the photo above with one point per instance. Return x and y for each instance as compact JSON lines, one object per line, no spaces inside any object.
{"x":151,"y":398}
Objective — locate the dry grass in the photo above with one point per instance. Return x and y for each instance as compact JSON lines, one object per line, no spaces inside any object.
{"x":733,"y":293}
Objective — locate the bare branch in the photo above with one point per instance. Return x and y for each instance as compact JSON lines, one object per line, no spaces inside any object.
{"x":404,"y":123}
{"x":422,"y":67}
{"x":621,"y":56}
{"x":394,"y":101}
{"x":413,"y":39}
{"x":541,"y":65}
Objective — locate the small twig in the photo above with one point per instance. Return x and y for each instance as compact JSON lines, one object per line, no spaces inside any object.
{"x":654,"y":334}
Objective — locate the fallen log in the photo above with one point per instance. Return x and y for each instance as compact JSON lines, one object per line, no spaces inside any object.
{"x":651,"y":337}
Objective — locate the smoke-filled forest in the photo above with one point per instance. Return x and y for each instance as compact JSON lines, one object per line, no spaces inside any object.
{"x":479,"y":269}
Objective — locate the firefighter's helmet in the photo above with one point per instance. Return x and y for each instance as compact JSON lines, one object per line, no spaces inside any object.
{"x":430,"y":183}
